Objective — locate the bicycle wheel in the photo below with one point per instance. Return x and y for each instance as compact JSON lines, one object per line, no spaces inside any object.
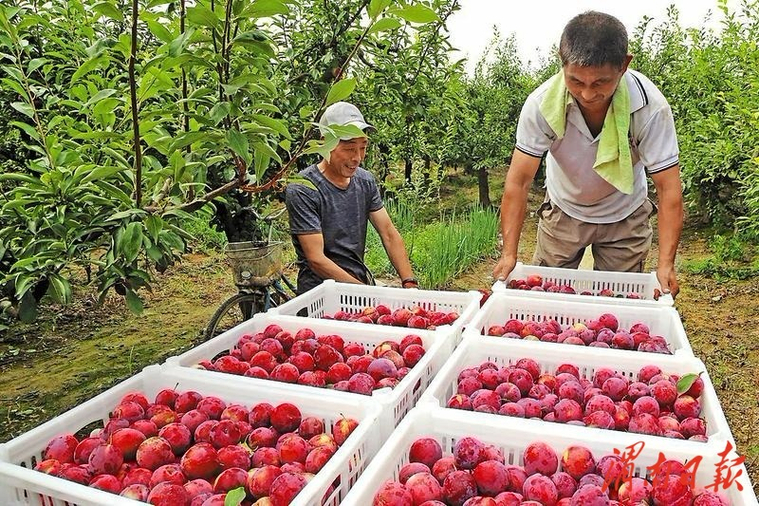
{"x":232,"y":312}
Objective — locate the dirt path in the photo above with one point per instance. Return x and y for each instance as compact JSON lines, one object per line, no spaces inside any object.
{"x":73,"y":353}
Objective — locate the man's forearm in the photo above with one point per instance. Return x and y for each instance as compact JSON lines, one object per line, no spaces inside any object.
{"x":327,"y":269}
{"x":513,"y":210}
{"x":396,"y":252}
{"x":670,"y":224}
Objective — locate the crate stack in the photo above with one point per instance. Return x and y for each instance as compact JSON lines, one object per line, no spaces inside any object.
{"x":445,"y":415}
{"x":419,"y":405}
{"x":377,"y":414}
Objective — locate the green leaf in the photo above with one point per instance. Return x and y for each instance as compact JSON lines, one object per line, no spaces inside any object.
{"x":278,"y":126}
{"x":125,"y":214}
{"x":341,"y":90}
{"x":99,"y":96}
{"x":202,"y":15}
{"x":115,"y":193}
{"x":29,"y":129}
{"x":187,"y":138}
{"x":109,"y":10}
{"x":131,"y":241}
{"x":86,"y":67}
{"x":260,"y":164}
{"x":23,"y":108}
{"x":234,"y":497}
{"x":133,"y":301}
{"x":345,"y":132}
{"x":267,"y":150}
{"x":324,"y":148}
{"x":154,"y":224}
{"x":14,"y":72}
{"x":103,"y":172}
{"x":156,"y":3}
{"x":265,"y":9}
{"x":27,"y":308}
{"x":252,"y":36}
{"x":160,"y":31}
{"x":106,"y":106}
{"x":384,"y":24}
{"x":687,"y":380}
{"x":299,"y":180}
{"x":18,"y":204}
{"x":61,"y":288}
{"x":15,"y":85}
{"x":376,"y":7}
{"x":219,"y":112}
{"x":35,"y":64}
{"x":177,"y":45}
{"x":417,"y":14}
{"x":238,"y":143}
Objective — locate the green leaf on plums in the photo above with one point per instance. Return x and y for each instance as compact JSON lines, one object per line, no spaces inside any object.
{"x":684,"y":383}
{"x":234,"y":497}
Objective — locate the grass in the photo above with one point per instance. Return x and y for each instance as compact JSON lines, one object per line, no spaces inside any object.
{"x":732,"y":257}
{"x":439,"y":251}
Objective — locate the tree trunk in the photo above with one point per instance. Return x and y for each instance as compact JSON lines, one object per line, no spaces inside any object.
{"x":384,"y":163}
{"x":482,"y":183}
{"x":426,"y":171}
{"x":409,"y":164}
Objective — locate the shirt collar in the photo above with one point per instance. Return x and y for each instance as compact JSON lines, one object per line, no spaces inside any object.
{"x":638,"y":96}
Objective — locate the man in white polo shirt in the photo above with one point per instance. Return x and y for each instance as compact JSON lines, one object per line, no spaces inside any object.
{"x":602,"y":128}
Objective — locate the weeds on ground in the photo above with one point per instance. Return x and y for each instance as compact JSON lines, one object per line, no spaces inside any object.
{"x":441,"y":250}
{"x":734,"y":256}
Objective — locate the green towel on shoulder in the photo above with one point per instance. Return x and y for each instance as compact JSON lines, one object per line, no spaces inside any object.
{"x":613,"y":159}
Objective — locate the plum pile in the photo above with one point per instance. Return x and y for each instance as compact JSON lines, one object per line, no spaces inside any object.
{"x":602,"y":332}
{"x":415,"y":317}
{"x":652,"y":404}
{"x":476,"y":474}
{"x":320,"y":361}
{"x":535,"y":283}
{"x":185,"y":449}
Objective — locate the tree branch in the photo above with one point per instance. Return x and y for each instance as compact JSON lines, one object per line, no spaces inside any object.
{"x":239,"y":181}
{"x":135,"y":112}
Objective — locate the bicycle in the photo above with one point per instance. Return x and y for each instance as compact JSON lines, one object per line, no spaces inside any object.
{"x":260,"y":280}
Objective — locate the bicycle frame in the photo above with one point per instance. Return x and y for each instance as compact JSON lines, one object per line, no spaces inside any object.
{"x":267,"y":292}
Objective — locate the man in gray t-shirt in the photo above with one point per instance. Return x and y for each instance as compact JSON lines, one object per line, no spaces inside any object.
{"x":328,"y":223}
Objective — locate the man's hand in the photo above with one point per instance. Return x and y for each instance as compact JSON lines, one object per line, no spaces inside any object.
{"x":504,"y":267}
{"x":668,"y":280}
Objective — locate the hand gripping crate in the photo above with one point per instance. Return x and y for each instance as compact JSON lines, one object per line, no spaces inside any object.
{"x":20,"y":484}
{"x":503,"y":306}
{"x":641,"y":283}
{"x":513,"y":436}
{"x":475,"y":349}
{"x":331,"y":296}
{"x":394,"y":402}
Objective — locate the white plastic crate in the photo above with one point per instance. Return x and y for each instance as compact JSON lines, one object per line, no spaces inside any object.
{"x":512,"y":437}
{"x":395,"y":402}
{"x":331,"y":296}
{"x":475,"y":349}
{"x":503,"y":306}
{"x":20,"y":484}
{"x":622,"y":283}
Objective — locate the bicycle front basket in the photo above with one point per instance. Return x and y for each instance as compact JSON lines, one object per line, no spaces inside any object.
{"x":255,"y":263}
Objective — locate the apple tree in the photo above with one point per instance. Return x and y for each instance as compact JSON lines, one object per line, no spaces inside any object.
{"x":137,"y":115}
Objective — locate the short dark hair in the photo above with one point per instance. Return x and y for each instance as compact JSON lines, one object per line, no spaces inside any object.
{"x":593,"y":39}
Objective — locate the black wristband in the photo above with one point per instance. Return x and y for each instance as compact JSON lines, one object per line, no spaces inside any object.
{"x":405,"y":281}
